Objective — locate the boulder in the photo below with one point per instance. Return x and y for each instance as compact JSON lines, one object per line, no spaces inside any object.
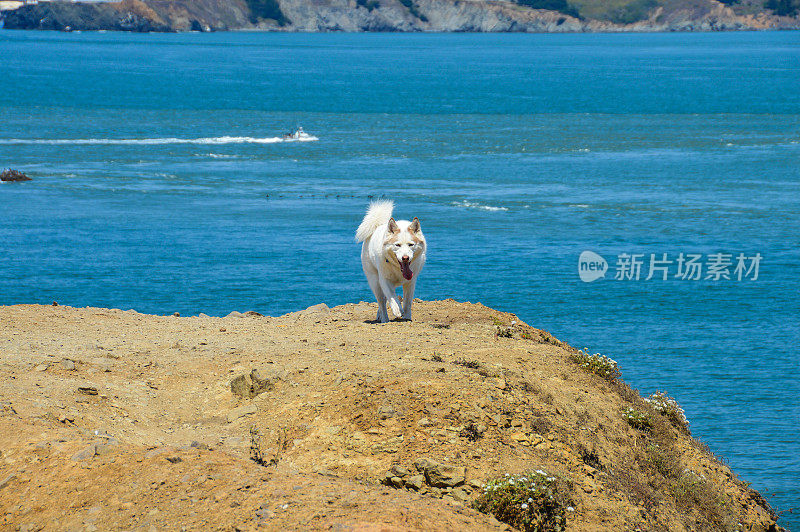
{"x":251,"y":384}
{"x":415,"y":482}
{"x":441,"y":475}
{"x":399,"y":471}
{"x":241,"y":411}
{"x":460,"y":494}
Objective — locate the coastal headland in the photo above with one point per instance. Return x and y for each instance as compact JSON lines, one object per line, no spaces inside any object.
{"x":322,"y":419}
{"x":529,"y":16}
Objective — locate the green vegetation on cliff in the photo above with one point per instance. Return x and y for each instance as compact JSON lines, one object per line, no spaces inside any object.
{"x":562,"y":6}
{"x":266,"y":9}
{"x":616,"y":11}
{"x":784,"y":8}
{"x":368,"y":4}
{"x":412,"y":8}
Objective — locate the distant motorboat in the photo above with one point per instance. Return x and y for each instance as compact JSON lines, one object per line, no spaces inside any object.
{"x":298,"y":136}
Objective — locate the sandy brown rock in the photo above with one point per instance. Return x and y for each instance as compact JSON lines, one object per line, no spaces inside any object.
{"x":251,"y":384}
{"x":165,"y":443}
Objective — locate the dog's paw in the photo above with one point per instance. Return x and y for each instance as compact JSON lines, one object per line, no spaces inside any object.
{"x":395,"y":308}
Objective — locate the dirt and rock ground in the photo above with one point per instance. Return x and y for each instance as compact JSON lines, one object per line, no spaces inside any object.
{"x":324,"y":420}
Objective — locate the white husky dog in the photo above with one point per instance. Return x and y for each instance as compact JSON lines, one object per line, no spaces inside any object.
{"x":392,"y":255}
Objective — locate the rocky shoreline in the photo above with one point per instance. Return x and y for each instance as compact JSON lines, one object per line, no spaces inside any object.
{"x":323,"y":419}
{"x":379,"y":15}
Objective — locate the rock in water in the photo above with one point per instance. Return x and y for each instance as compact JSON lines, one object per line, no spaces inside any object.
{"x":13,"y":175}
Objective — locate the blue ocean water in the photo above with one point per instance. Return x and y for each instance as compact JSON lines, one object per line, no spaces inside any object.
{"x":517,"y":153}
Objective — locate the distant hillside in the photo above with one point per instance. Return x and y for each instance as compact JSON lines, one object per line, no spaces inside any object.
{"x":411,"y":15}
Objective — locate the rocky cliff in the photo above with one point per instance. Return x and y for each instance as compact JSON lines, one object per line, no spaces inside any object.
{"x":132,"y":15}
{"x":322,"y":419}
{"x":395,"y":15}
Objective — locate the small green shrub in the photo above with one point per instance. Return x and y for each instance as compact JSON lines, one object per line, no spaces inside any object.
{"x":590,"y":457}
{"x":471,"y":364}
{"x":663,"y":461}
{"x":669,"y":408}
{"x":638,"y":420}
{"x":562,"y":6}
{"x":632,"y":12}
{"x":501,"y":329}
{"x":690,"y":489}
{"x":368,"y":4}
{"x":693,"y":492}
{"x":533,"y":501}
{"x":598,"y":364}
{"x":504,"y":332}
{"x":414,"y":10}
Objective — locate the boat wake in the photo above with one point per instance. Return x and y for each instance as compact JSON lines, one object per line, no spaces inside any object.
{"x":472,"y":205}
{"x":159,"y":141}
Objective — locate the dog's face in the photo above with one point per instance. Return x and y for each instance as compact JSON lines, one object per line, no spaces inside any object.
{"x":403,"y":241}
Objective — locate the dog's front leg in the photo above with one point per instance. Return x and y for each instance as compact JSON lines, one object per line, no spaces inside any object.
{"x":408,"y":297}
{"x":375,"y":284}
{"x":383,"y":316}
{"x":389,"y":292}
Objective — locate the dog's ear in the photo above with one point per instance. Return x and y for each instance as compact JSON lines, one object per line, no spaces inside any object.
{"x":414,"y":227}
{"x":393,"y":226}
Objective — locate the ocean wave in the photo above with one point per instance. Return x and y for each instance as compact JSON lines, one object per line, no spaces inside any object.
{"x":217,"y":155}
{"x":473,"y":205}
{"x":158,"y":141}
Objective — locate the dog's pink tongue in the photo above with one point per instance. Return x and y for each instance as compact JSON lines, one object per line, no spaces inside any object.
{"x":405,"y":267}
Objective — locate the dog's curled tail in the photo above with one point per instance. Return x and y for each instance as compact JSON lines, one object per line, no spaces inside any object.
{"x":378,"y":214}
